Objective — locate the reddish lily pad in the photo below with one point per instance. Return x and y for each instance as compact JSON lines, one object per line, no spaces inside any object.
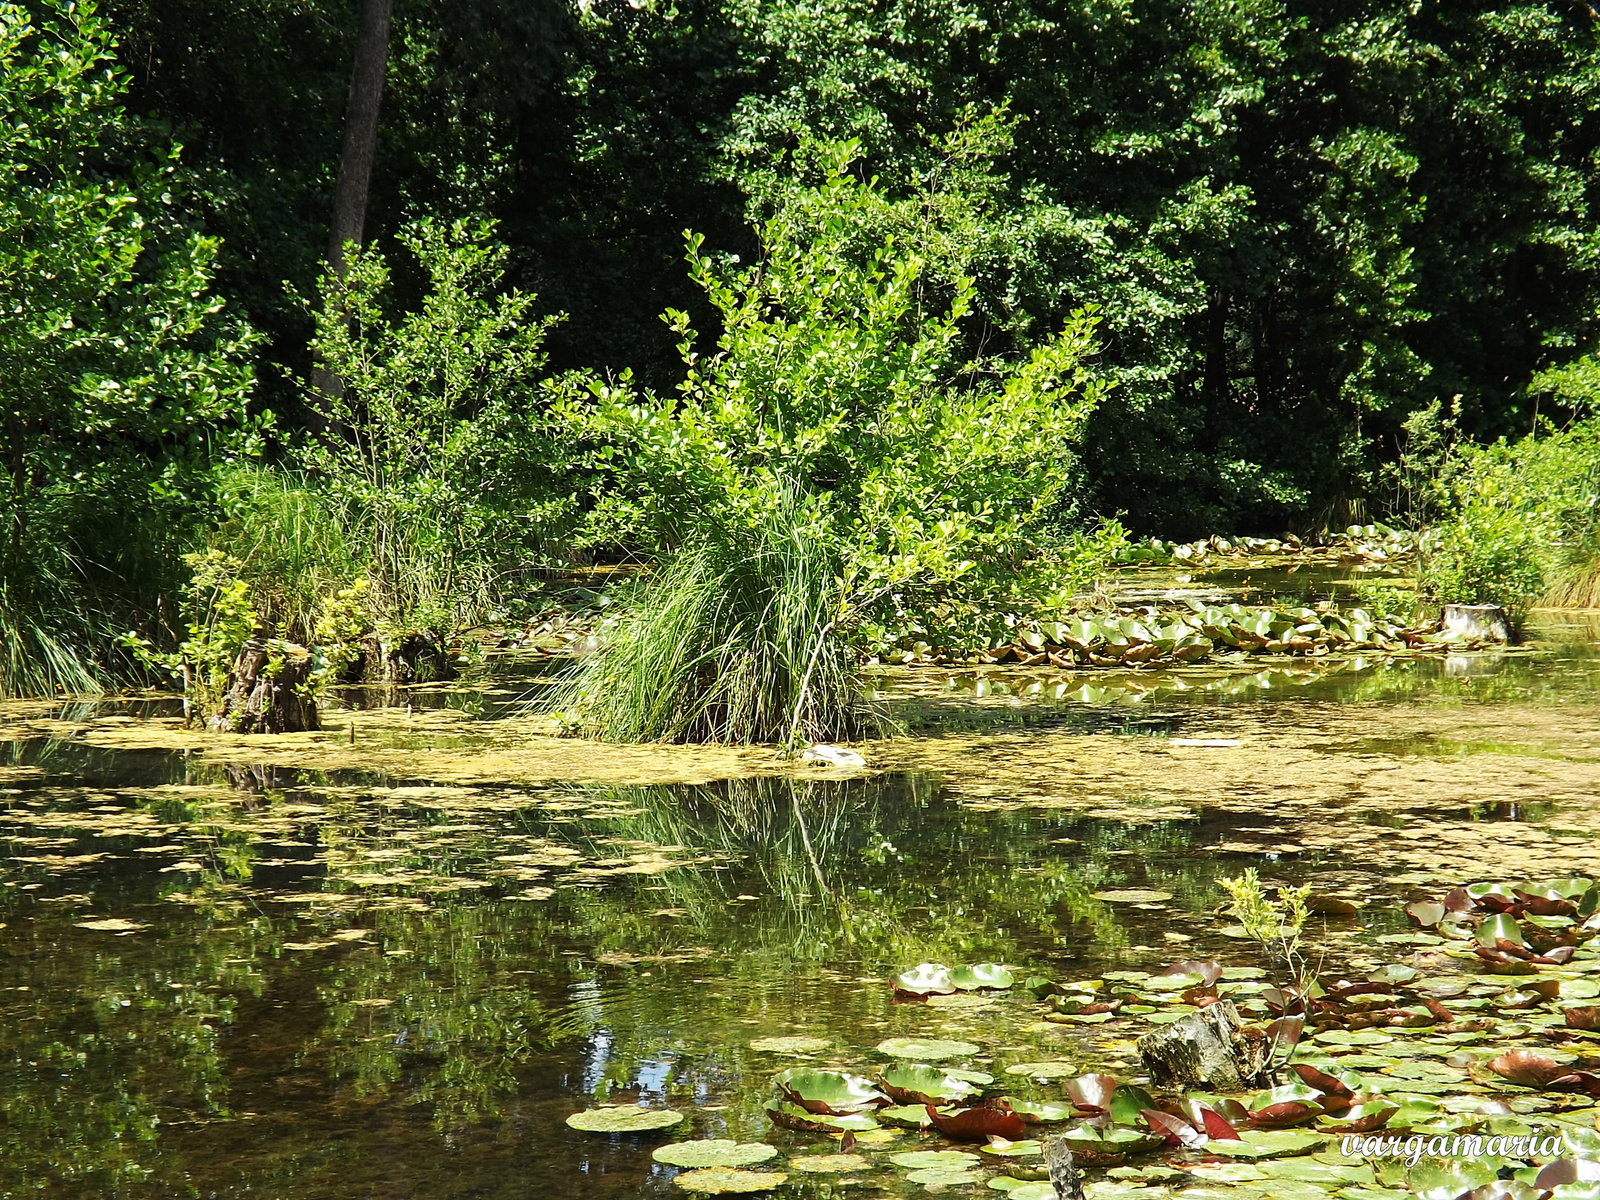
{"x":978,"y":1123}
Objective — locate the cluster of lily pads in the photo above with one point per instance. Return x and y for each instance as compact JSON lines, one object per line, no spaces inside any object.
{"x":1137,"y":636}
{"x":1369,"y":1076}
{"x":1373,"y":542}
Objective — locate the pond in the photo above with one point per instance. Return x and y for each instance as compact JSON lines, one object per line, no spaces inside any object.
{"x":391,"y":959}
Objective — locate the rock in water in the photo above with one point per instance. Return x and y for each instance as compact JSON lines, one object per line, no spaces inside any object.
{"x":833,"y":756}
{"x":1064,"y":1176}
{"x":268,"y":691}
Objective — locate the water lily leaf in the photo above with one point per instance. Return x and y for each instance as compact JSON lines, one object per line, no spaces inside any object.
{"x":1133,"y":896}
{"x":1092,"y":1093}
{"x":789,"y":1115}
{"x":906,"y":1116}
{"x":991,"y":1119}
{"x":934,"y":1160}
{"x":830,"y":1164}
{"x":1005,"y":1149}
{"x":1289,"y":1112}
{"x":623,"y":1118}
{"x":1038,"y":1112}
{"x":925,"y":979}
{"x":1526,"y":1068}
{"x":833,"y":1093}
{"x":1269,"y":1143}
{"x":941,"y":1179}
{"x":1321,"y":1081}
{"x":930,"y":1049}
{"x":1175,"y":1130}
{"x":791,"y":1045}
{"x":1497,"y":929}
{"x":1128,"y":1101}
{"x":714,"y":1152}
{"x":1582,"y":1017}
{"x":1208,"y":970}
{"x":1043,"y":1070}
{"x":982,"y":976}
{"x":1392,"y":973}
{"x":919,"y":1084}
{"x":726,"y":1181}
{"x":1364,"y":1118}
{"x":1017,"y":1189}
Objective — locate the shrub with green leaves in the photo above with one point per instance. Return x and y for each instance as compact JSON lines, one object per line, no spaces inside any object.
{"x":433,"y":458}
{"x":122,"y":383}
{"x":841,"y":407}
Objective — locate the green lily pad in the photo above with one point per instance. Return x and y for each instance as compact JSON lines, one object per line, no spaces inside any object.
{"x":1133,"y":896}
{"x":1039,"y":1111}
{"x":791,"y":1045}
{"x":1020,"y":1149}
{"x":830,"y":1164}
{"x":906,"y":1116}
{"x":1018,"y":1189}
{"x":925,"y":979}
{"x":980,"y":976}
{"x":714,"y":1152}
{"x":836,"y":1093}
{"x":623,"y":1118}
{"x":937,"y":1178}
{"x":981,"y":1078}
{"x":726,"y":1181}
{"x":919,"y":1084}
{"x":1054,"y":1069}
{"x":931,"y":1049}
{"x":933,"y":1160}
{"x":1269,"y":1143}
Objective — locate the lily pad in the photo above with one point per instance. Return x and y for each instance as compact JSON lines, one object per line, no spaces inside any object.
{"x":1269,"y":1143}
{"x":830,"y":1164}
{"x":982,"y":976}
{"x":907,"y":1116}
{"x":1018,"y":1189}
{"x":937,"y":1178}
{"x":791,"y":1045}
{"x":919,"y":1084}
{"x":835,"y":1093}
{"x":623,"y":1118}
{"x":1054,"y":1069}
{"x":1133,"y":896}
{"x":726,"y":1181}
{"x":925,"y":979}
{"x":931,"y":1049}
{"x":714,"y":1152}
{"x":932,"y":1160}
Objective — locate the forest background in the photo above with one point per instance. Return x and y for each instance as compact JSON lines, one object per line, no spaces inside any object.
{"x":1260,"y":266}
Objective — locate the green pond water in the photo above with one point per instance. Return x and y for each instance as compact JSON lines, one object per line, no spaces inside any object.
{"x":271,"y":983}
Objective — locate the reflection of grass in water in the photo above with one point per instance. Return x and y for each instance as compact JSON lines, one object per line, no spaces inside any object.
{"x":832,"y":880}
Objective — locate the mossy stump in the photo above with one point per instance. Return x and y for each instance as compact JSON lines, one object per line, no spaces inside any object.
{"x":1209,"y":1048}
{"x":268,"y":691}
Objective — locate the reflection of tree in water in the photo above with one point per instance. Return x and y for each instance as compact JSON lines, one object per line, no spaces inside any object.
{"x":113,"y":1040}
{"x":447,"y":1007}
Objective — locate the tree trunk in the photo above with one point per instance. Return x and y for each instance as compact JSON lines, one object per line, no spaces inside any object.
{"x":355,"y":166}
{"x":267,"y":694}
{"x":360,"y":130}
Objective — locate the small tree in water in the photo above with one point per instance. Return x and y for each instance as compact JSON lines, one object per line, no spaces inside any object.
{"x":842,"y":448}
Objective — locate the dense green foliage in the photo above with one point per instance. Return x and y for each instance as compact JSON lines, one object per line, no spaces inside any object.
{"x":1297,"y":231}
{"x":839,"y":453}
{"x":1300,"y":222}
{"x":121,"y":382}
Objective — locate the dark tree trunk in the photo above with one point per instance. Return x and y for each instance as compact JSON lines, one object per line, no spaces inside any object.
{"x":360,"y":129}
{"x":267,"y":694}
{"x":355,"y":165}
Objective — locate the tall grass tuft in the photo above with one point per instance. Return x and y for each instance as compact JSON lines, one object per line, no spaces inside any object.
{"x":37,"y":658}
{"x":736,"y":644}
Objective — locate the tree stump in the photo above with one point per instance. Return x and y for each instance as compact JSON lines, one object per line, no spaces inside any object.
{"x":1204,"y":1049}
{"x":417,"y":657}
{"x":267,"y":691}
{"x":1476,"y":622}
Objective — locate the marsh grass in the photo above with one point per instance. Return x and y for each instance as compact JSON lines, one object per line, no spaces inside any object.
{"x":735,"y":644}
{"x":37,"y":657}
{"x":291,"y":544}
